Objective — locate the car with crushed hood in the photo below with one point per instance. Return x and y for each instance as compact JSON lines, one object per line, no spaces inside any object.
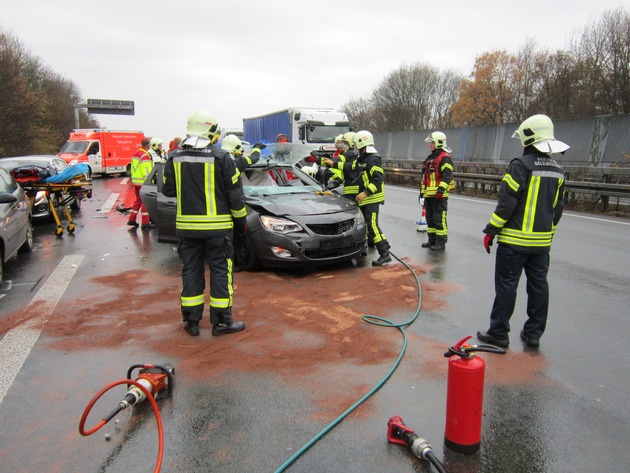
{"x":292,"y":220}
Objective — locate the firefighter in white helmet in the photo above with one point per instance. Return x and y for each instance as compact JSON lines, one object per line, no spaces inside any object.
{"x":210,"y":209}
{"x":233,"y":145}
{"x":371,"y":192}
{"x":157,"y":152}
{"x":529,"y":208}
{"x":437,"y":181}
{"x":343,"y":163}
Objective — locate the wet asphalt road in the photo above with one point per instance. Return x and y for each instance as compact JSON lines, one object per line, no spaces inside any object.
{"x":562,"y":408}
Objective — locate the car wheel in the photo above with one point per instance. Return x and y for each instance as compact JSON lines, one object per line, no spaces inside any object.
{"x":1,"y":267}
{"x":245,"y":254}
{"x":28,"y":244}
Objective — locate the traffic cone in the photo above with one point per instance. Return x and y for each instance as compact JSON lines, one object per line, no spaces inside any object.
{"x":421,"y":225}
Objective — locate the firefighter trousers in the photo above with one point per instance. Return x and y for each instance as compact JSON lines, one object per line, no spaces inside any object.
{"x":508,"y":270}
{"x":435,"y":210}
{"x":218,"y":252}
{"x":375,"y":235}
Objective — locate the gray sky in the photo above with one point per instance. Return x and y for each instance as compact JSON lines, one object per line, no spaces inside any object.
{"x":244,"y":58}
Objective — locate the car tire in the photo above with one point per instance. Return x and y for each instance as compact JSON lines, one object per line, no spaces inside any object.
{"x":1,"y":267}
{"x":245,"y":254}
{"x":27,"y":246}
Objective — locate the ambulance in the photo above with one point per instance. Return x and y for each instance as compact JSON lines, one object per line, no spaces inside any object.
{"x":104,"y":151}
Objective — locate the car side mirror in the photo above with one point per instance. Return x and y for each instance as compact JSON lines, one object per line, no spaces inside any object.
{"x":7,"y":198}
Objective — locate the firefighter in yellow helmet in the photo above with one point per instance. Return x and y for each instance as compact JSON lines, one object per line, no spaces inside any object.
{"x":371,"y":192}
{"x":157,"y":152}
{"x":529,"y":208}
{"x":233,"y":145}
{"x":210,"y":209}
{"x":437,"y":181}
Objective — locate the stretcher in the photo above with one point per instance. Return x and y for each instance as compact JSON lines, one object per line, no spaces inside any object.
{"x":60,"y":190}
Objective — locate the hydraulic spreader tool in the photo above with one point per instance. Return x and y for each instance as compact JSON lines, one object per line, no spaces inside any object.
{"x":153,"y":382}
{"x":398,"y":432}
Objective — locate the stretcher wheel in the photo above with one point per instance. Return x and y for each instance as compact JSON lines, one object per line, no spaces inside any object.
{"x":59,"y":231}
{"x":71,"y":228}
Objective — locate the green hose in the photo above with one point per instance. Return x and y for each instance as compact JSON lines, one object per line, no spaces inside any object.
{"x":382,"y":322}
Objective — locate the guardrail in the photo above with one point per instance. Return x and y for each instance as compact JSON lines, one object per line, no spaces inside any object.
{"x":600,"y":184}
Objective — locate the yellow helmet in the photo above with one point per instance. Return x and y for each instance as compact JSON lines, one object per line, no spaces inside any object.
{"x":537,"y":131}
{"x":155,"y":142}
{"x":348,"y":137}
{"x":438,"y":139}
{"x":202,"y":124}
{"x":363,"y":138}
{"x":232,"y":144}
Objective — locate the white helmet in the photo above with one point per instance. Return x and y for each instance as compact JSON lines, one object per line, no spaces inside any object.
{"x":232,"y":144}
{"x":155,"y":142}
{"x":537,"y":131}
{"x":365,"y":139}
{"x":348,"y":137}
{"x":439,"y":140}
{"x":204,"y":125}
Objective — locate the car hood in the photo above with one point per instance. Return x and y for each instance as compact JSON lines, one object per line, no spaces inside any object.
{"x":301,"y":204}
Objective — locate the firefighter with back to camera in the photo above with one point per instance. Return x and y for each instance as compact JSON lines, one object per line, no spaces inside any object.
{"x":529,"y":208}
{"x":210,"y":209}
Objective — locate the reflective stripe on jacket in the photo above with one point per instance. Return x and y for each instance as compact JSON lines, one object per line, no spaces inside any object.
{"x":437,"y":173}
{"x":530,"y":204}
{"x":141,"y":166}
{"x":369,"y":178}
{"x":208,"y":188}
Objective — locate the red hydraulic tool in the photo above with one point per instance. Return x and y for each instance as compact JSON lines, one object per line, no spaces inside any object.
{"x":464,"y":396}
{"x":398,"y":432}
{"x":153,"y":382}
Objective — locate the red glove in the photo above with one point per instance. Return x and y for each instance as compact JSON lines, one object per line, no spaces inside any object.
{"x":439,"y":195}
{"x":487,"y":242}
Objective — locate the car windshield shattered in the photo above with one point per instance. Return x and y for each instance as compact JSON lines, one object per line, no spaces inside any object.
{"x":278,"y":171}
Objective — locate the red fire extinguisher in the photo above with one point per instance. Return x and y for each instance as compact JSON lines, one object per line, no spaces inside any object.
{"x":464,"y":396}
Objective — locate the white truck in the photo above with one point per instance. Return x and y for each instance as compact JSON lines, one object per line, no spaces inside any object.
{"x":317,"y":126}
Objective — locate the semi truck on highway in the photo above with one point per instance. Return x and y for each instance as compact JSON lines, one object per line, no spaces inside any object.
{"x":104,"y":151}
{"x":300,"y":125}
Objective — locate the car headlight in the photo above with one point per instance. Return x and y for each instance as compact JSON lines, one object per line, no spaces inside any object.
{"x":280,"y":225}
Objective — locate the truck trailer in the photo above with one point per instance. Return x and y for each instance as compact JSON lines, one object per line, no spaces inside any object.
{"x":301,"y":125}
{"x":104,"y":151}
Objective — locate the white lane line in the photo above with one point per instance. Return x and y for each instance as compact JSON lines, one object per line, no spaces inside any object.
{"x":108,"y":205}
{"x":19,"y":341}
{"x":124,"y":181}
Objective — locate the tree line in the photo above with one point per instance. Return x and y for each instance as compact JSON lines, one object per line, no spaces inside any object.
{"x":36,"y":104}
{"x":590,"y":77}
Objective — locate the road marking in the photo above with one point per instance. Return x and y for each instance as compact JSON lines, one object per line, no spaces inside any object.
{"x":124,"y":181}
{"x":109,"y":203}
{"x":19,"y":341}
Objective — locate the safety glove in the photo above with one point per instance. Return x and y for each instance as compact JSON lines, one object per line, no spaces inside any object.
{"x":487,"y":242}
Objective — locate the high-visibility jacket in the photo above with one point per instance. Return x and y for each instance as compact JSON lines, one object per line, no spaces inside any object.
{"x":437,"y":173}
{"x":141,"y":166}
{"x":347,"y":174}
{"x":368,"y":176}
{"x":208,"y":188}
{"x":530,"y":204}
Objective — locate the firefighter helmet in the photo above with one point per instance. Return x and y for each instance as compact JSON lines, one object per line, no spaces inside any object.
{"x":204,"y":125}
{"x":437,"y":138}
{"x":363,"y":138}
{"x":537,"y":131}
{"x":156,"y":142}
{"x":232,"y":144}
{"x":349,"y":138}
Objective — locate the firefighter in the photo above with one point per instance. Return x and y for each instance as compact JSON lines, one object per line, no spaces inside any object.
{"x":210,"y":209}
{"x":141,"y":167}
{"x":371,"y":192}
{"x":157,"y":152}
{"x":437,"y":180}
{"x":529,"y":207}
{"x":233,"y":145}
{"x":343,"y":163}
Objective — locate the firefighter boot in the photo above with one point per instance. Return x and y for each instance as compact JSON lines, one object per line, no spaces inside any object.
{"x":225,"y":328}
{"x":192,"y":327}
{"x":383,"y":251}
{"x":430,"y":242}
{"x":440,"y":245}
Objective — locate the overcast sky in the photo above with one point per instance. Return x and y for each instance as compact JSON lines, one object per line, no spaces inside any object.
{"x":239,"y":59}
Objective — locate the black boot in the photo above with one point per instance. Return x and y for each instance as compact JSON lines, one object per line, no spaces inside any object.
{"x":225,"y":328}
{"x":192,"y":328}
{"x":382,"y":259}
{"x":428,"y":244}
